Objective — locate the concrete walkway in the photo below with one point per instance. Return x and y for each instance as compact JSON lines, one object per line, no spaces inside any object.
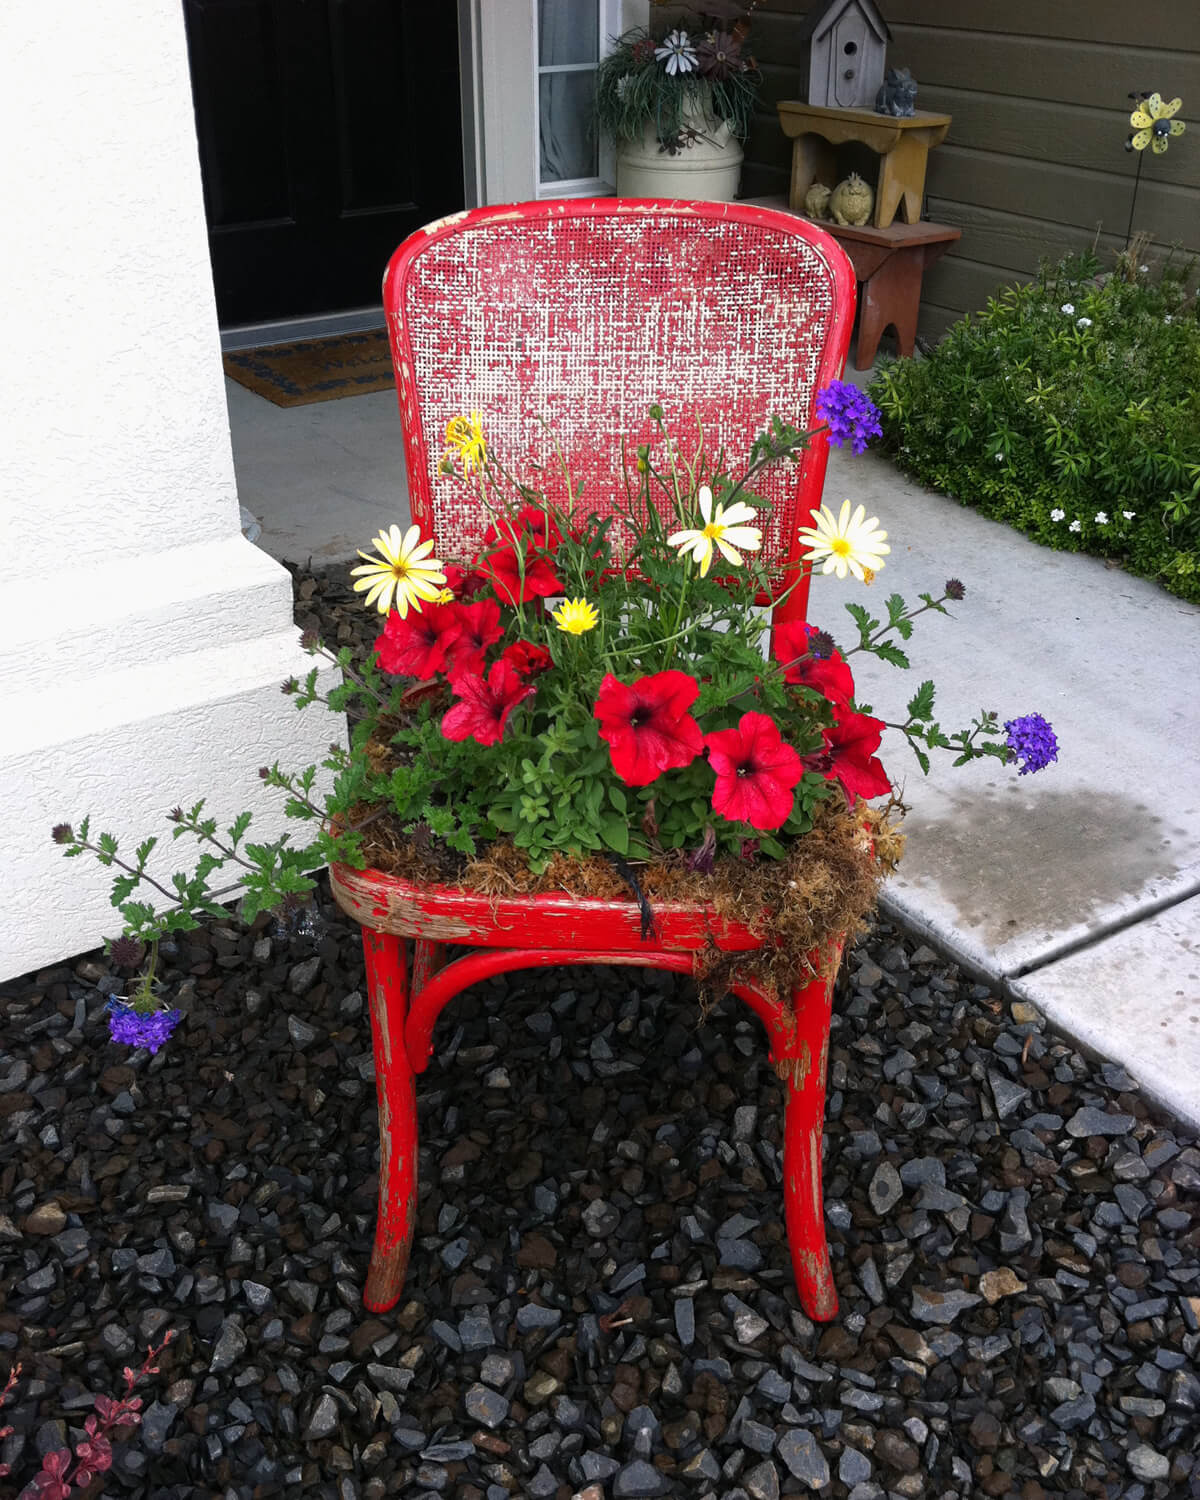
{"x":1077,"y":889}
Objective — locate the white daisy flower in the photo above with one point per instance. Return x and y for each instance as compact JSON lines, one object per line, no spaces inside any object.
{"x":1068,"y":307}
{"x":1057,"y":515}
{"x":677,"y":54}
{"x":725,"y":530}
{"x":1101,"y":518}
{"x":1075,"y":526}
{"x":1129,"y":514}
{"x":1083,"y":322}
{"x":849,"y":542}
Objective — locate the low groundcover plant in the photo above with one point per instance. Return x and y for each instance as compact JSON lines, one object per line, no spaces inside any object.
{"x":585,"y":704}
{"x":1070,"y":409}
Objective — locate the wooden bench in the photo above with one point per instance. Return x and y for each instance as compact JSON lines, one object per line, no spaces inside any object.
{"x":890,"y":264}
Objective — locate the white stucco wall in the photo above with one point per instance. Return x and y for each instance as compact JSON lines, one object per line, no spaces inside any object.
{"x":142,"y":640}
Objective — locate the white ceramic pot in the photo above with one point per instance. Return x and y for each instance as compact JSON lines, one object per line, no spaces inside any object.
{"x":707,"y":169}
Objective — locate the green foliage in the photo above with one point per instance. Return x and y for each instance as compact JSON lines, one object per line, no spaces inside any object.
{"x":1080,"y":428}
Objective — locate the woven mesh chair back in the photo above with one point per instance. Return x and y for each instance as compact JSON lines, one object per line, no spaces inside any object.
{"x":561,"y":322}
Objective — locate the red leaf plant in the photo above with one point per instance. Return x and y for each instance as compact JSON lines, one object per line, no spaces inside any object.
{"x":486,"y":702}
{"x":756,"y":772}
{"x":93,"y":1456}
{"x":646,"y":724}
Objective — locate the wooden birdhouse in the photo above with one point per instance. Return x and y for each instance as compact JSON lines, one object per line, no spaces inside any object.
{"x":845,"y":46}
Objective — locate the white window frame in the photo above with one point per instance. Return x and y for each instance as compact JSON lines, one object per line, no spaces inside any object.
{"x":499,"y":72}
{"x":609,"y":24}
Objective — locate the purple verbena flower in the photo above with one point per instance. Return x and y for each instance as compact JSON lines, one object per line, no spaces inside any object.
{"x":138,"y":1028}
{"x":1031,"y":741}
{"x":850,"y":413}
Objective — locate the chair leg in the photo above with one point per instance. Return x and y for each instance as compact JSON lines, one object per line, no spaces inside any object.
{"x":387,"y":985}
{"x":800,"y":1051}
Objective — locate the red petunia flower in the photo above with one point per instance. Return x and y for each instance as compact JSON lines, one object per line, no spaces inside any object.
{"x":646,"y":725}
{"x":526,"y":658}
{"x":831,"y":676}
{"x":850,"y":758}
{"x":418,"y":644}
{"x":478,"y":628}
{"x":756,"y":772}
{"x":532,"y":533}
{"x":461,"y":583}
{"x":482,"y":714}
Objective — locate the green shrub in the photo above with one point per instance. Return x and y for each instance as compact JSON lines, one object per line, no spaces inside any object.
{"x":1070,"y":409}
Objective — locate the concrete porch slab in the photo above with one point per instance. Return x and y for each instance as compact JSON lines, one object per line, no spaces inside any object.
{"x":1135,"y":996}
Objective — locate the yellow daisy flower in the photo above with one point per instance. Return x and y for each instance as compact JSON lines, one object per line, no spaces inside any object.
{"x":723,"y":530}
{"x":403,"y":568}
{"x":849,"y":542}
{"x":1153,"y":125}
{"x":464,"y":436}
{"x":576,"y":616}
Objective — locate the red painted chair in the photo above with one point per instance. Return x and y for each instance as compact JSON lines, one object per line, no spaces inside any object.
{"x":584,"y":313}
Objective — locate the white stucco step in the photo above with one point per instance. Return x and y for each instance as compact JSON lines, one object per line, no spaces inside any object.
{"x":1135,"y":997}
{"x":126,"y":748}
{"x":137,"y":611}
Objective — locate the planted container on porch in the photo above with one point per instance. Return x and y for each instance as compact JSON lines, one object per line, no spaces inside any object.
{"x":677,"y":107}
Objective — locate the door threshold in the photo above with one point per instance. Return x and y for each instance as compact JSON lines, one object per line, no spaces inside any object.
{"x":293,"y":330}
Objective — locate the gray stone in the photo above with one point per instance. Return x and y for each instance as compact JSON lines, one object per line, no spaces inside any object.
{"x":932,"y":1306}
{"x":1007,"y":1096}
{"x":886,"y":1189}
{"x":485,"y":1405}
{"x":1092,"y":1121}
{"x":156,"y":1424}
{"x":1072,"y":1414}
{"x":258,"y":1296}
{"x":530,"y":1315}
{"x":300,"y":981}
{"x":639,"y":1479}
{"x":497,"y":1370}
{"x":762,"y":1482}
{"x":742,"y":1255}
{"x":1145,"y":1463}
{"x":853,"y":1467}
{"x":747,"y":1324}
{"x":324,"y":1419}
{"x":600,"y":1218}
{"x":685,"y":1321}
{"x":798,"y":1449}
{"x":230,"y":1346}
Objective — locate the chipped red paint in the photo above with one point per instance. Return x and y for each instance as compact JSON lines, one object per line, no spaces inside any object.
{"x":584,"y":312}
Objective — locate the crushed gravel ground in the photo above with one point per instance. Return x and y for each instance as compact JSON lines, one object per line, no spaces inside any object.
{"x":600,"y":1301}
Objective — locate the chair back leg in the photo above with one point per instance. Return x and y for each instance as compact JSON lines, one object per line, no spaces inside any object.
{"x":387,"y":986}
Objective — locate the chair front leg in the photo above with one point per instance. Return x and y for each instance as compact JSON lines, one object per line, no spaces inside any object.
{"x":387,"y":985}
{"x":800,"y":1052}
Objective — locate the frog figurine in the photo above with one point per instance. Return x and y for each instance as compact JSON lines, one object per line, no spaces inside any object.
{"x":816,"y":201}
{"x":851,"y":201}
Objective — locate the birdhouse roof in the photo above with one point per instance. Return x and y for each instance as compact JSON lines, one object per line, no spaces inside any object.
{"x":826,"y":13}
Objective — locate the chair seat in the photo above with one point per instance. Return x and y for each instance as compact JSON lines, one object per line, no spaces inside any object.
{"x":556,"y":921}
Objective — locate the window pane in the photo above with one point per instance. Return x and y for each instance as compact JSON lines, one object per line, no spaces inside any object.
{"x":568,"y":32}
{"x":568,"y":146}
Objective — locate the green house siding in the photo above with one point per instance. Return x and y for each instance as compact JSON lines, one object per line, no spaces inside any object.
{"x":1033,"y":165}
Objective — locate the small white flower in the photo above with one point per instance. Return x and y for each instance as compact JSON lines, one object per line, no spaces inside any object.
{"x":1101,"y":518}
{"x":1068,"y":307}
{"x":1074,"y":526}
{"x":1057,"y":515}
{"x":1083,"y":322}
{"x":1143,"y":269}
{"x":677,"y":54}
{"x":1168,"y":319}
{"x":1129,"y":514}
{"x":999,"y":458}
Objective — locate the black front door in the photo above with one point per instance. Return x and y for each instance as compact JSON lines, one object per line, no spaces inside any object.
{"x":329,"y":130}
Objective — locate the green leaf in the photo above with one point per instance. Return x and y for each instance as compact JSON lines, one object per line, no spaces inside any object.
{"x":618,"y":799}
{"x":887,"y":652}
{"x":920,"y":705}
{"x":615,"y":833}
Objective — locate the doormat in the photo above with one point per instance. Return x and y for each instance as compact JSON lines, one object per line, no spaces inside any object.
{"x":345,"y":364}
